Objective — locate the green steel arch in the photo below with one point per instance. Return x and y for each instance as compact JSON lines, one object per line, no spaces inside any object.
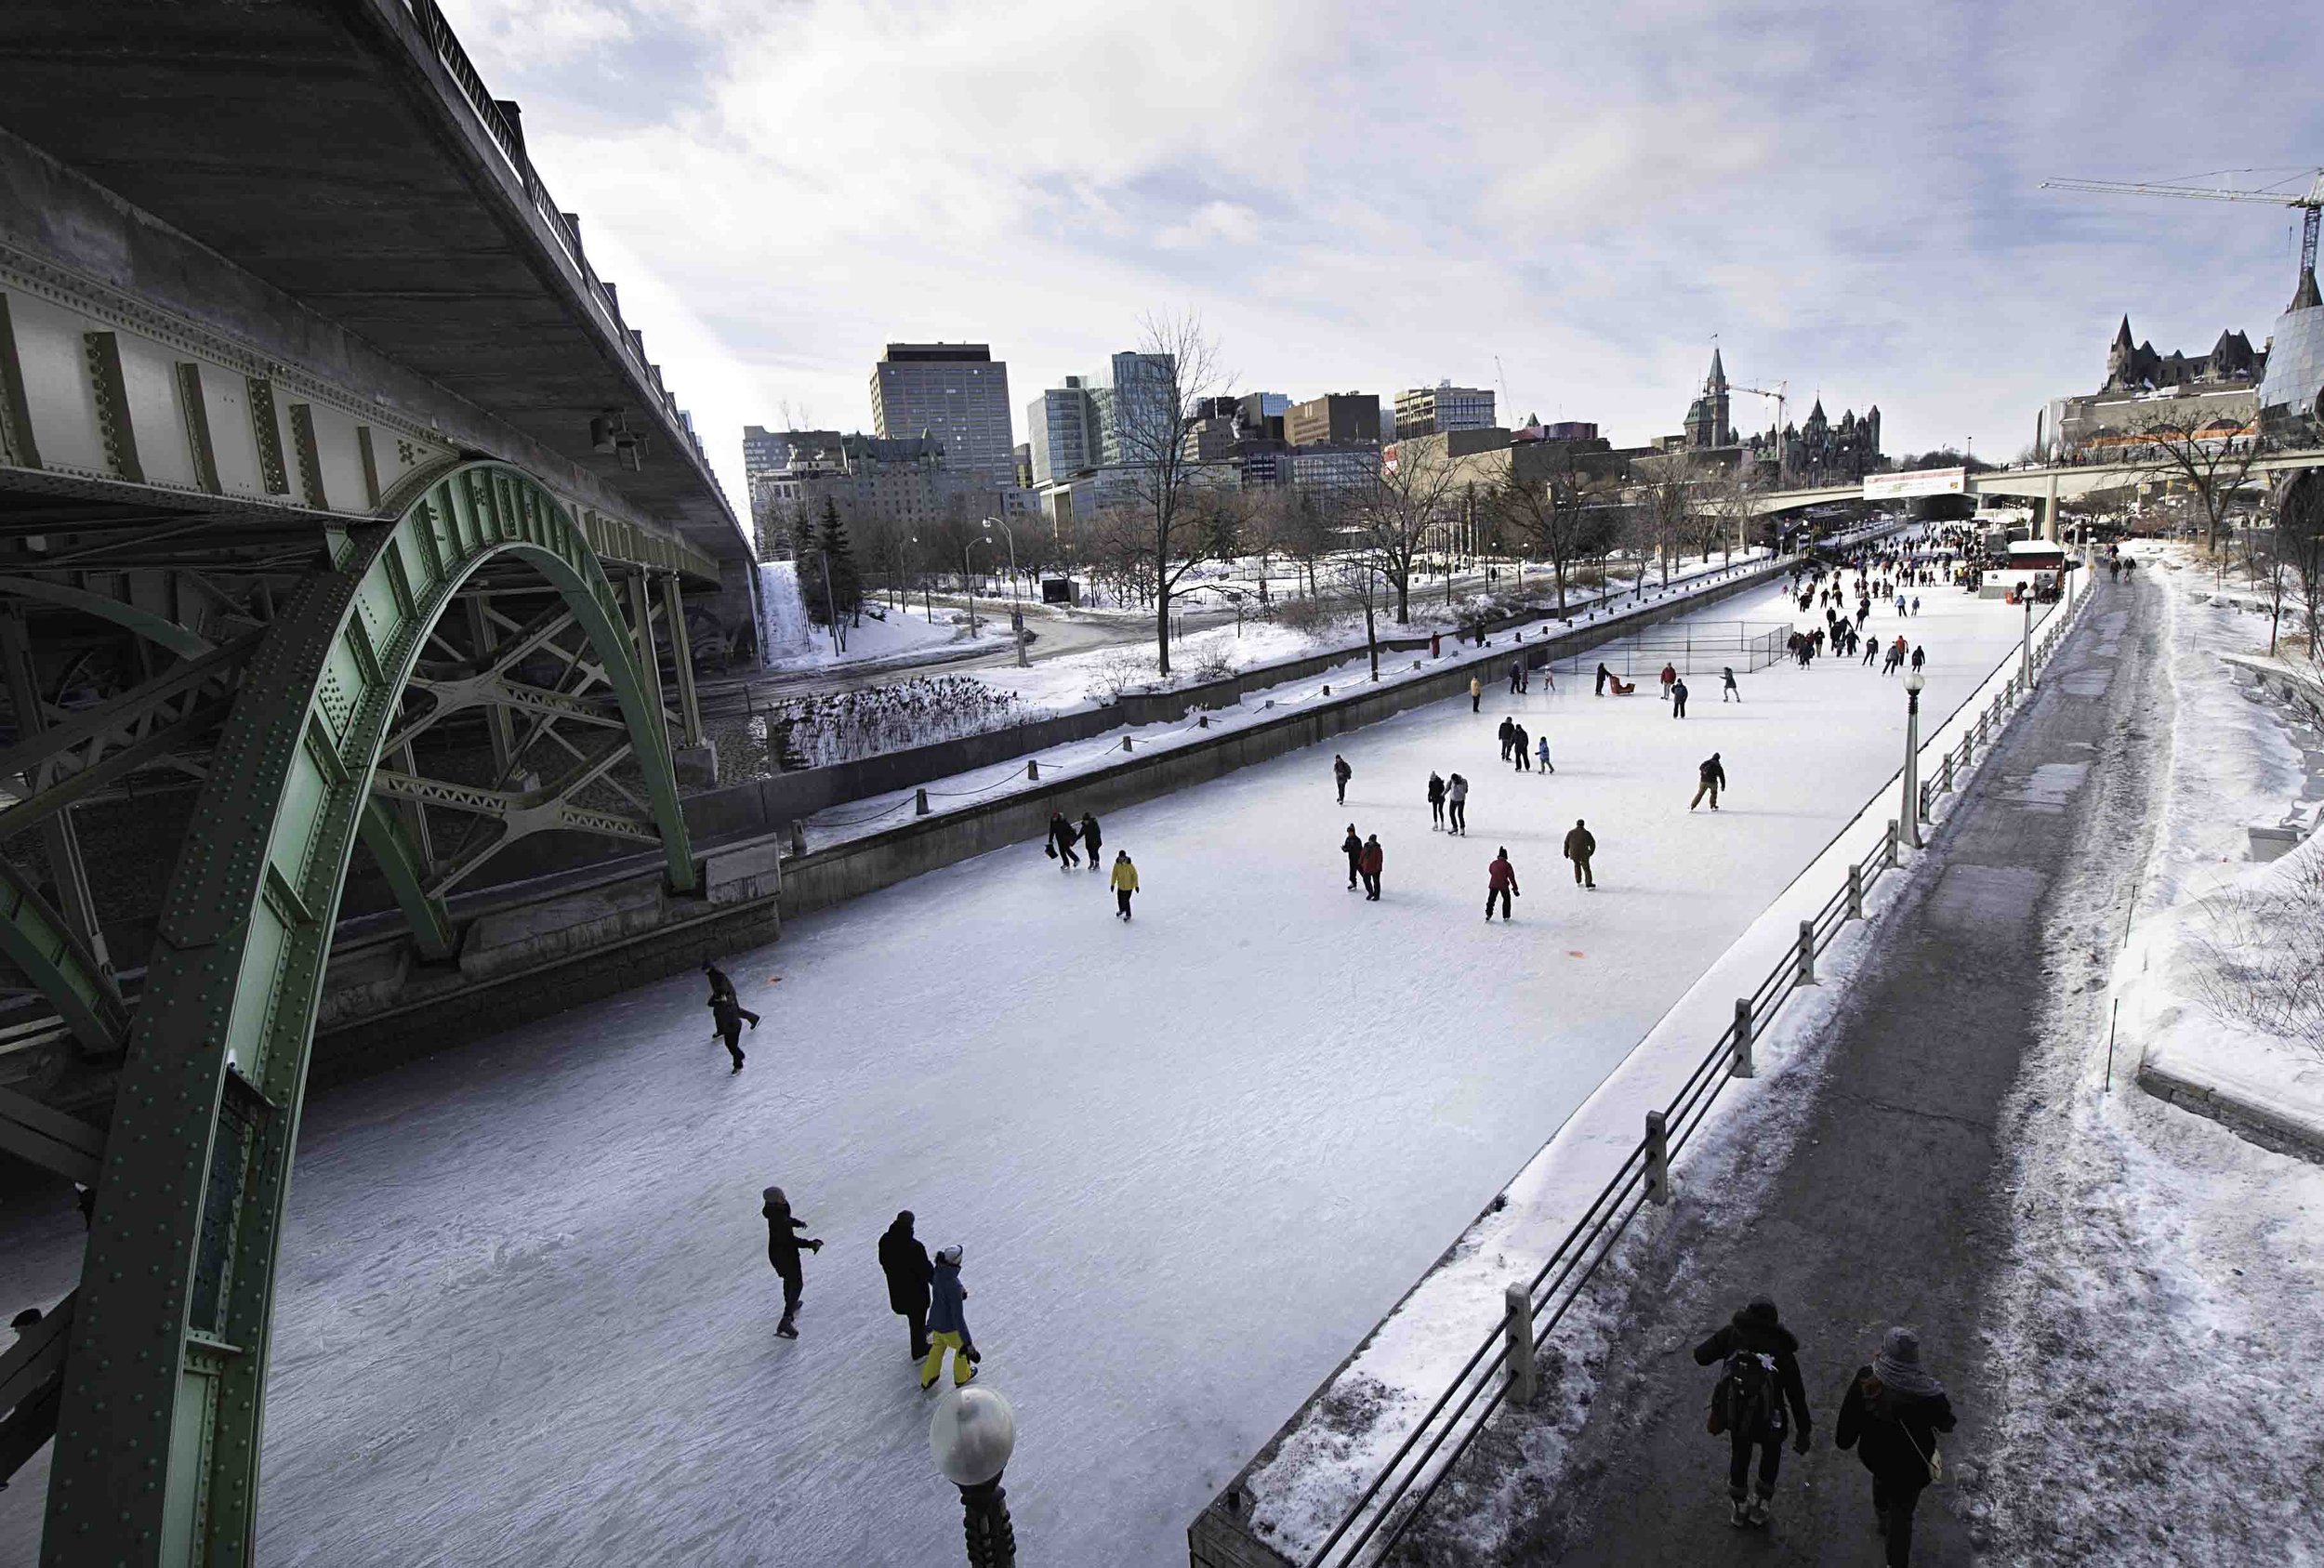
{"x":157,"y":1442}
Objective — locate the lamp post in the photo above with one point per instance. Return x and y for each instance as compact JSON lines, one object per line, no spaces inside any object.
{"x":1016,"y":611}
{"x":1914,"y":681}
{"x":2025,"y":644}
{"x":971,"y":1434}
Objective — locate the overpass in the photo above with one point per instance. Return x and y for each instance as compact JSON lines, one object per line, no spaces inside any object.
{"x":339,"y":505}
{"x":2049,"y":483}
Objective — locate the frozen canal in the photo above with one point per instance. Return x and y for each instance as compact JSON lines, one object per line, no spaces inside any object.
{"x":527,"y":1315}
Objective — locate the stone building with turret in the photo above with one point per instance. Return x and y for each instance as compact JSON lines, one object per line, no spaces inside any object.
{"x":2215,"y":393}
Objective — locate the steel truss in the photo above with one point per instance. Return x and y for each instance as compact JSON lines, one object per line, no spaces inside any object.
{"x":156,"y":1390}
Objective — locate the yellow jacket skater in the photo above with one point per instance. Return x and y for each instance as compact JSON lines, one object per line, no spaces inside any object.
{"x":1125,"y":881}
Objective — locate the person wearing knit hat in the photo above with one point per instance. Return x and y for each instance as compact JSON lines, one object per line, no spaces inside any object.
{"x":1761,"y":1376}
{"x":783,"y":1245}
{"x":1891,"y":1416}
{"x":948,"y":1324}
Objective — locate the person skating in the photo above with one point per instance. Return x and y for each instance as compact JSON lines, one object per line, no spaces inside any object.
{"x":1501,"y":882}
{"x":1124,"y":882}
{"x":1728,"y":690}
{"x":1580,"y":844}
{"x":1712,"y":777}
{"x":948,"y":1324}
{"x":1091,"y":837}
{"x":783,"y":1245}
{"x":1476,"y":694}
{"x":1919,"y":657}
{"x":727,"y":1016}
{"x":1508,"y":735}
{"x":1761,"y":1376}
{"x":1891,"y":1415}
{"x":1341,"y":774}
{"x":720,"y":984}
{"x":1517,"y":747}
{"x":1435,"y":802}
{"x":1605,"y":675}
{"x":1369,"y":863}
{"x":1670,"y":672}
{"x":1541,"y":754}
{"x":1457,"y":804}
{"x":1061,"y":841}
{"x":1678,"y":699}
{"x":1516,"y":675}
{"x":1353,"y":847}
{"x":904,"y":1261}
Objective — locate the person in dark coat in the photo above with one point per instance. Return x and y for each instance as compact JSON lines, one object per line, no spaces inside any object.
{"x":720,"y":984}
{"x":783,"y":1245}
{"x":1353,"y":847}
{"x":1435,"y":802}
{"x":1091,"y":838}
{"x":1605,"y":675}
{"x":1341,"y":774}
{"x":1890,"y":1416}
{"x":1369,"y":863}
{"x":1762,"y":1376}
{"x":1728,"y":690}
{"x":1060,"y":839}
{"x":1501,"y":882}
{"x":1678,"y":699}
{"x":1509,"y":736}
{"x":1518,"y":741}
{"x":728,"y":1014}
{"x":1580,"y":844}
{"x":904,"y":1261}
{"x":1919,"y":657}
{"x":1711,"y":777}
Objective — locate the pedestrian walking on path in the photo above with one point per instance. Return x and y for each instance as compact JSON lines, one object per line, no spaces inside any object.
{"x":1580,"y":844}
{"x":1435,"y":802}
{"x":783,"y":1245}
{"x":727,"y":1016}
{"x":1341,"y":774}
{"x":1091,"y":837}
{"x":1541,"y":754}
{"x":1124,"y":882}
{"x":904,"y":1261}
{"x":1728,"y":690}
{"x":1890,"y":1416}
{"x":1353,"y":847}
{"x":1061,"y":841}
{"x":1501,"y":882}
{"x":1476,"y":694}
{"x":1370,"y":863}
{"x":1711,"y":777}
{"x":948,"y":1324}
{"x":1678,"y":699}
{"x":1456,"y":802}
{"x":1761,"y":1376}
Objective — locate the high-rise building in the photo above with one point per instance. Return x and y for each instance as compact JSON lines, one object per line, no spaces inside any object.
{"x":1335,"y":419}
{"x":1061,"y":424}
{"x":1135,"y":396}
{"x":957,"y":393}
{"x":1428,"y":411}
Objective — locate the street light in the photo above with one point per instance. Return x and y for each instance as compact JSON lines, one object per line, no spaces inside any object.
{"x":1914,"y":681}
{"x":2024,"y":643}
{"x":1016,"y":611}
{"x":971,"y":1434}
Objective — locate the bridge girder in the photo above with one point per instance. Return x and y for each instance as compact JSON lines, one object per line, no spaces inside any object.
{"x":158,"y":1410}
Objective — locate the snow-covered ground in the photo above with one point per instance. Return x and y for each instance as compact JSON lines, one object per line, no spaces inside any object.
{"x":793,"y":643}
{"x":525,"y":1313}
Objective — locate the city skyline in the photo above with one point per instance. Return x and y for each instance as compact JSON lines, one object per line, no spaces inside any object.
{"x":1848,"y":205}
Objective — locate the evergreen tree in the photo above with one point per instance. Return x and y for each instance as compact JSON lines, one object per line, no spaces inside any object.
{"x":827,"y":574}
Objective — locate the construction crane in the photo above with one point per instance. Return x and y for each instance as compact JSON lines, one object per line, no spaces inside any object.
{"x":1777,"y":394}
{"x":1509,"y":404}
{"x":2311,"y":203}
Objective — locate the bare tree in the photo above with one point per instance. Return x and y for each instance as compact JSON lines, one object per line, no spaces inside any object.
{"x":1660,"y":524}
{"x":1360,"y":572}
{"x":2212,"y":458}
{"x":1563,"y":516}
{"x":2296,"y":550}
{"x":1400,"y":512}
{"x":1152,"y":412}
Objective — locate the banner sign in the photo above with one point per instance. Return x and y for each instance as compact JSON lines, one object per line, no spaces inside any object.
{"x":1921,"y":482}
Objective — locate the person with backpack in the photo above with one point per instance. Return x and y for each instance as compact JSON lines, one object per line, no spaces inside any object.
{"x":1341,"y":774}
{"x":1711,"y":777}
{"x":1580,"y":844}
{"x":1369,"y":863}
{"x":1353,"y":847}
{"x":1761,"y":1377}
{"x":1091,"y":838}
{"x":1435,"y":802}
{"x":1124,"y":882}
{"x":1890,"y":1416}
{"x":1501,"y":882}
{"x":1061,"y":841}
{"x":1457,"y":803}
{"x":905,"y":1263}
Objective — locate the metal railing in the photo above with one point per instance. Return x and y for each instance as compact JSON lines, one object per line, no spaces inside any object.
{"x":1402,"y":1489}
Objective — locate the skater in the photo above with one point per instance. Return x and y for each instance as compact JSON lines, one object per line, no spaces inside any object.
{"x":1456,"y":802}
{"x":727,"y":1015}
{"x":1580,"y":844}
{"x":1516,"y":675}
{"x":1501,"y":882}
{"x":1061,"y":841}
{"x":1435,"y":802}
{"x":720,"y":984}
{"x":904,"y":1261}
{"x":1124,"y":882}
{"x":1761,"y":1376}
{"x":1341,"y":774}
{"x":1871,"y":648}
{"x":948,"y":1324}
{"x":1728,"y":690}
{"x":1541,"y":754}
{"x":1916,"y":604}
{"x":782,"y":1252}
{"x":1370,"y":865}
{"x":1508,"y":734}
{"x":1091,"y":838}
{"x":1668,"y":676}
{"x":1890,"y":1416}
{"x":1919,"y":657}
{"x":1678,"y":699}
{"x":1476,"y":694}
{"x":1353,"y":847}
{"x":1605,"y":675}
{"x":1517,"y":739}
{"x":1711,"y":778}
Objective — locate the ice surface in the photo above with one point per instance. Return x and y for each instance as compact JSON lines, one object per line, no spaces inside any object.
{"x":527,"y":1314}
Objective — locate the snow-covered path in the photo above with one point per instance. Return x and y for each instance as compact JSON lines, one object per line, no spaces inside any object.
{"x":526,"y":1315}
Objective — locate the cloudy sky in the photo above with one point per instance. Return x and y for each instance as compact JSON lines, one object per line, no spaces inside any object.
{"x":1375,"y":197}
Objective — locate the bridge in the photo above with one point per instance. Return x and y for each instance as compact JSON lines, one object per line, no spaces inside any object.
{"x":339,"y":505}
{"x":2049,"y":483}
